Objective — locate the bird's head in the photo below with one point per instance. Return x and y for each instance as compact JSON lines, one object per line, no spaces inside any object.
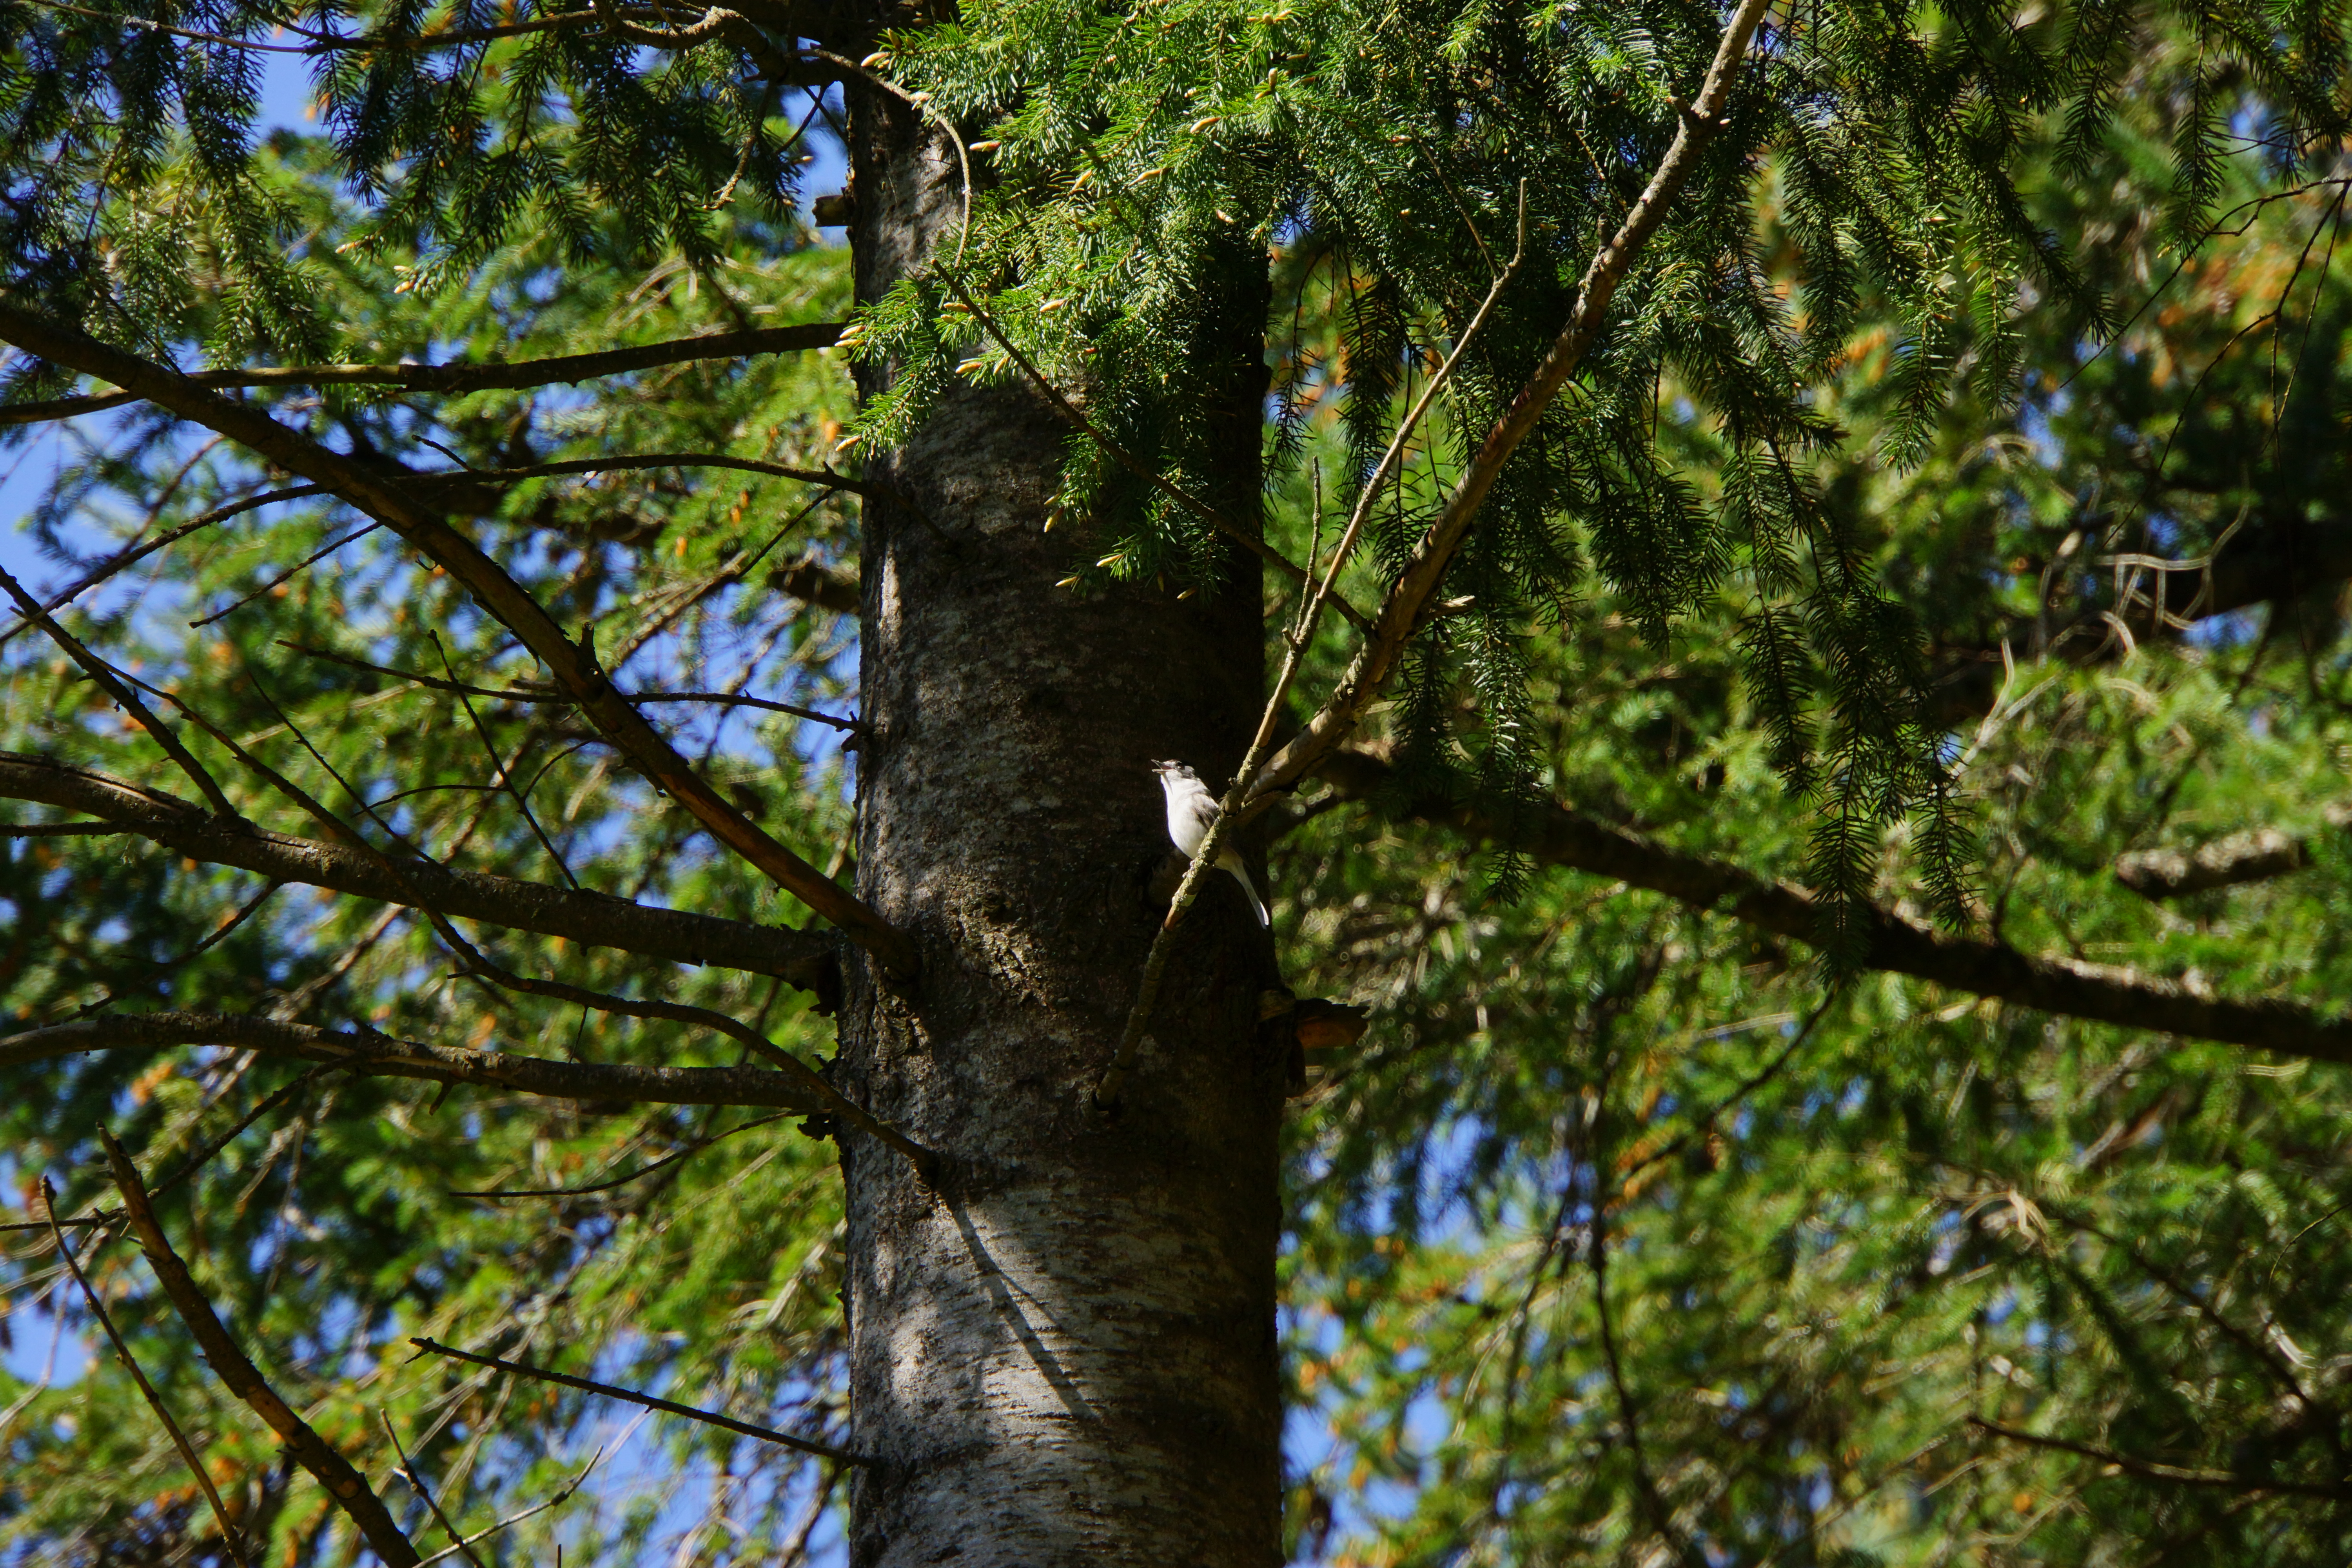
{"x":1173,"y":770}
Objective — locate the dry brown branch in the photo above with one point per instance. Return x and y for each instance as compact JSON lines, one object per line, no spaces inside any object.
{"x":234,"y":1367}
{"x":835,"y":1103}
{"x":138,"y":550}
{"x":129,"y":1364}
{"x":392,"y":499}
{"x":108,"y":681}
{"x":366,"y":1052}
{"x":594,"y":920}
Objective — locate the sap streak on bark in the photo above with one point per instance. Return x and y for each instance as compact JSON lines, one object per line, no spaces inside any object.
{"x":1067,"y":1354}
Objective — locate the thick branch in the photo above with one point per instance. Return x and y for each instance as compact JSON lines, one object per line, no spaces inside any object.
{"x":396,"y":502}
{"x":147,"y":1390}
{"x":2254,"y":856}
{"x":365,"y":1052}
{"x":591,"y":918}
{"x":2097,"y":992}
{"x":459,"y":377}
{"x":1401,"y":611}
{"x":234,"y":1367}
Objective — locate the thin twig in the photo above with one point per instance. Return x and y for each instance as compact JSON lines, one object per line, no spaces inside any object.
{"x":1707,"y":1119}
{"x":59,"y":829}
{"x":532,"y":694}
{"x":835,"y":1103}
{"x":155,"y":1400}
{"x":520,"y":1514}
{"x":728,"y":1422}
{"x":203,"y":1157}
{"x":1661,"y":1515}
{"x":2150,"y":1470}
{"x":505,"y":775}
{"x":131,"y":555}
{"x":288,"y":574}
{"x":695,"y":1148}
{"x":366,"y":1051}
{"x":637,"y":462}
{"x":416,"y":1484}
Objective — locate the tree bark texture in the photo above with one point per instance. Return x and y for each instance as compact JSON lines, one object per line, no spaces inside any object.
{"x":1062,"y":1352}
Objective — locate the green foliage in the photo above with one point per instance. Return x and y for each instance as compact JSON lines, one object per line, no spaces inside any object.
{"x":1628,"y":1237}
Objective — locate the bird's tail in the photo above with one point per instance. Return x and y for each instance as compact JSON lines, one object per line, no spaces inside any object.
{"x":1233,"y":863}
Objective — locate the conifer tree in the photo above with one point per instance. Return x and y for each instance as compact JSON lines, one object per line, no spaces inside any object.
{"x":1760,"y":584}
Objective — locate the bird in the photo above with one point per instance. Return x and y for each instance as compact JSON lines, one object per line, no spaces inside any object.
{"x":1192,"y":810}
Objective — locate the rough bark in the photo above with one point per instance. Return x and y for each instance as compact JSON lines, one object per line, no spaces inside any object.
{"x":1064,"y":1352}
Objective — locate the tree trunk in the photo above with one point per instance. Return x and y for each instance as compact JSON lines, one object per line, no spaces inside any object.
{"x":1065,"y":1353}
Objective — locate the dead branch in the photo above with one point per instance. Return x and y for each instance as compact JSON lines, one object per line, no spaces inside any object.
{"x":589,"y":1385}
{"x":129,"y":1364}
{"x":2254,"y":856}
{"x":594,"y":920}
{"x":367,"y":1052}
{"x":232,"y":1366}
{"x":460,"y":377}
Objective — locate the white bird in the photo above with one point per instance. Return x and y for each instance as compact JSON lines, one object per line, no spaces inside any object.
{"x":1192,"y":810}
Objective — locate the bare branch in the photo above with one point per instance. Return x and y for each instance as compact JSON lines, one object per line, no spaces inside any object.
{"x":366,"y":1052}
{"x":416,"y":1484}
{"x":591,"y":919}
{"x":2069,"y":987}
{"x":633,"y":462}
{"x":155,"y":1400}
{"x":834,"y":1103}
{"x":1401,"y":611}
{"x":561,"y":1498}
{"x":531,"y":694}
{"x":461,"y":377}
{"x":131,"y":554}
{"x":232,"y":1366}
{"x":393,"y":499}
{"x":589,"y":1385}
{"x":99,"y":671}
{"x":609,"y":1182}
